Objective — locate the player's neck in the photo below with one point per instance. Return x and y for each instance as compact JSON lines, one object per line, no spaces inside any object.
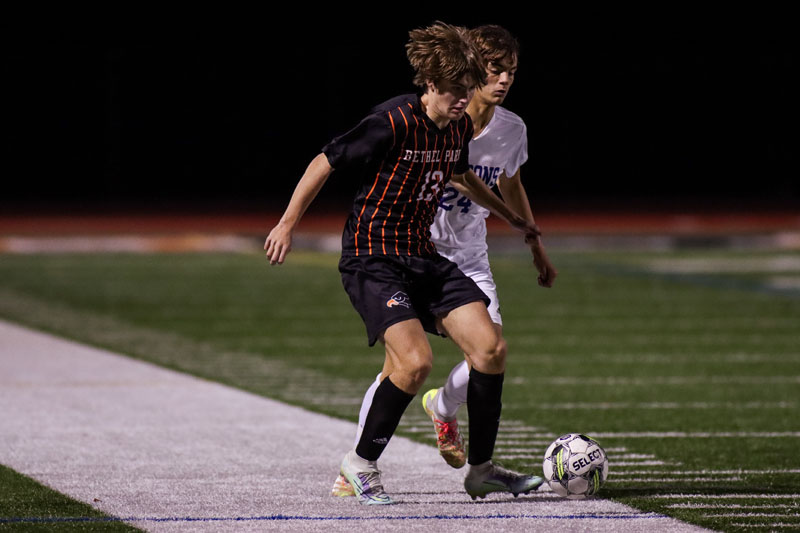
{"x":481,"y":113}
{"x":440,"y":121}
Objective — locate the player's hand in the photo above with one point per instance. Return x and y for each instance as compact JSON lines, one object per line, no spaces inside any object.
{"x":278,"y":244}
{"x":547,"y":272}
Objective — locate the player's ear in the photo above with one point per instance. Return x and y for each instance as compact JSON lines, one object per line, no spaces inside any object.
{"x":430,"y":86}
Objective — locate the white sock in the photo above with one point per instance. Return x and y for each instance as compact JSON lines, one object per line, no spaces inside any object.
{"x":454,"y":393}
{"x":366,"y":403}
{"x":360,"y":463}
{"x":476,"y":470}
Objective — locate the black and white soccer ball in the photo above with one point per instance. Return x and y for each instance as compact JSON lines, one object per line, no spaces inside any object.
{"x":575,"y":466}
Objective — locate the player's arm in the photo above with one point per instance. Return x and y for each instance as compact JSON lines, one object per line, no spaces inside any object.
{"x":279,"y":240}
{"x":514,"y":195}
{"x":476,"y":190}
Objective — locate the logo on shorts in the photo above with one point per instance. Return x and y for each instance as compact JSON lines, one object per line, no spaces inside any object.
{"x":399,"y":298}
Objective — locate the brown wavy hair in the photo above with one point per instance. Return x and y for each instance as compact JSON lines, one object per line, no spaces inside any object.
{"x":444,"y":52}
{"x":495,"y":43}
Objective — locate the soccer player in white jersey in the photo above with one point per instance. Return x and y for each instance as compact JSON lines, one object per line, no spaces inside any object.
{"x":498,"y":148}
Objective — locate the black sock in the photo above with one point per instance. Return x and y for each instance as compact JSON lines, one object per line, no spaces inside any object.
{"x":484,"y":394}
{"x":388,"y":406}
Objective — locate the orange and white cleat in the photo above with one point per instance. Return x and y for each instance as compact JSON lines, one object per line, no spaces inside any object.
{"x":342,"y":488}
{"x":448,"y":438}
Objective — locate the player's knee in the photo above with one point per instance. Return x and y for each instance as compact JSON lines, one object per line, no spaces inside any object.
{"x":417,"y":367}
{"x":497,"y":353}
{"x":492,"y":358}
{"x":421,"y":373}
{"x":501,"y":349}
{"x":422,"y":369}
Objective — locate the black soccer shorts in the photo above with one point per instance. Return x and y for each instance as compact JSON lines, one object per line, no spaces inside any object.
{"x":387,"y":289}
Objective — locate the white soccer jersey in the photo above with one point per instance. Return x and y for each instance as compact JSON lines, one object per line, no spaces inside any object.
{"x":459,"y":230}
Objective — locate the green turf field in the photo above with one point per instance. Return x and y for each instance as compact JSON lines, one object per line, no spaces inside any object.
{"x":26,"y":505}
{"x":685,"y":365}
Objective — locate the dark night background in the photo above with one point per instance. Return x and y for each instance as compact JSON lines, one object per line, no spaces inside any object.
{"x":630,"y":110}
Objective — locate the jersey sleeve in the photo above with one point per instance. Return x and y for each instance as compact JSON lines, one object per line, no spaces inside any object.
{"x":368,"y":141}
{"x":462,"y":165}
{"x":519,"y":154}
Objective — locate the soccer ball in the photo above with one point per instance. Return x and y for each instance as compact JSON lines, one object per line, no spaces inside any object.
{"x":575,"y":466}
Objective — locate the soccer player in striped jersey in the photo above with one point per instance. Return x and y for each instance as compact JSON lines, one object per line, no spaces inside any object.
{"x":404,"y":154}
{"x":497,"y":150}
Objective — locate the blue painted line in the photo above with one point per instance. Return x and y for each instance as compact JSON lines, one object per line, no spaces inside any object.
{"x":274,"y":518}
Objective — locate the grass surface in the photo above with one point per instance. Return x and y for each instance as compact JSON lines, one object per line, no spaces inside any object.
{"x":26,"y":505}
{"x":685,"y":365}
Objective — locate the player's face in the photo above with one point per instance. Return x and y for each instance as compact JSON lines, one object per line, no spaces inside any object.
{"x":449,"y":99}
{"x":499,"y":78}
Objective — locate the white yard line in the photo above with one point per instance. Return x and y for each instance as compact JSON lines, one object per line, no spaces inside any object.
{"x":675,"y":380}
{"x":784,"y":282}
{"x":698,"y":435}
{"x":773,"y":525}
{"x":791,"y":471}
{"x":728,"y":506}
{"x":752,"y":515}
{"x":732,"y":496}
{"x":169,"y":451}
{"x":716,"y":265}
{"x":605,"y":406}
{"x":651,"y":480}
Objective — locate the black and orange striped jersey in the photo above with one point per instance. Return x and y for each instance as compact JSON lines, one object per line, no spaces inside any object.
{"x":402,"y":161}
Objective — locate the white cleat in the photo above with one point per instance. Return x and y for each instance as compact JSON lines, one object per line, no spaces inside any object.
{"x":486,"y":478}
{"x":365,"y":482}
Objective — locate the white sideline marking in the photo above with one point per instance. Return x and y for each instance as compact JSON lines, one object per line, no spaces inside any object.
{"x":163,"y":449}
